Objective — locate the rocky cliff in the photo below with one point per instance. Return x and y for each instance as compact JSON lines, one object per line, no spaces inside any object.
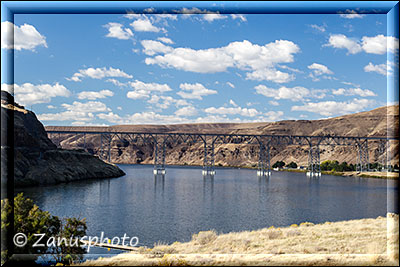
{"x":37,"y":161}
{"x":378,"y":122}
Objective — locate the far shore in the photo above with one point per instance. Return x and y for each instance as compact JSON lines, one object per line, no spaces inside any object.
{"x":370,"y":174}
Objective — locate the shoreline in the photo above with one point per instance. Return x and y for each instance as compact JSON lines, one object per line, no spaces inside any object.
{"x":375,"y":175}
{"x":369,"y":241}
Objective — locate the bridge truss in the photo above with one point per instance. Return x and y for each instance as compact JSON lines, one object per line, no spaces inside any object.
{"x":159,"y":142}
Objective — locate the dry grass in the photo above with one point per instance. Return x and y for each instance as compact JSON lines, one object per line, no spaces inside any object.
{"x":365,"y":242}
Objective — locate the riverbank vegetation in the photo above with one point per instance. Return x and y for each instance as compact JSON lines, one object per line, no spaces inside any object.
{"x":30,"y":220}
{"x":372,"y":241}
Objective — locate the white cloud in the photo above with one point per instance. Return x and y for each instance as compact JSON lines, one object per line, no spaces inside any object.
{"x":154,"y":47}
{"x":212,"y":17}
{"x":77,"y":111}
{"x":273,"y":103}
{"x":351,"y":14}
{"x":51,"y":107}
{"x":296,"y":93}
{"x":270,"y":75}
{"x":272,"y":115}
{"x":321,"y":28}
{"x":381,"y":68}
{"x":239,"y":16}
{"x":110,"y":117}
{"x":29,"y":94}
{"x":25,"y":37}
{"x":186,"y":111}
{"x":319,"y":69}
{"x":330,"y":108}
{"x":165,"y":40}
{"x":379,"y":44}
{"x":242,"y":55}
{"x":154,"y":118}
{"x":247,"y":112}
{"x":143,"y":90}
{"x":92,"y":95}
{"x":342,"y":41}
{"x":230,"y":84}
{"x":164,"y":102}
{"x":353,"y":91}
{"x":194,"y":91}
{"x":98,"y":73}
{"x":233,"y":103}
{"x":116,"y":30}
{"x":116,"y":82}
{"x":144,"y":25}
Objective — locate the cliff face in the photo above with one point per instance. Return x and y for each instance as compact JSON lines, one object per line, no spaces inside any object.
{"x":377,"y":122}
{"x":37,"y":161}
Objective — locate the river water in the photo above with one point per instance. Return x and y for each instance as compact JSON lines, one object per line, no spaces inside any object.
{"x":182,"y":203}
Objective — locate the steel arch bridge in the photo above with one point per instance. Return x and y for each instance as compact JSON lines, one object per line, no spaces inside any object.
{"x":265,"y":142}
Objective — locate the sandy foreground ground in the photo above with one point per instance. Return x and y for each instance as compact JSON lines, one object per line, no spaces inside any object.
{"x":354,"y":242}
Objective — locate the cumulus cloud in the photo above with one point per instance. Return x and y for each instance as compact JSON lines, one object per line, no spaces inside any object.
{"x":144,"y":25}
{"x":342,"y":41}
{"x":330,"y":108}
{"x":116,"y":82}
{"x":273,"y":103}
{"x":110,"y":117}
{"x":381,"y":68}
{"x":233,"y":103}
{"x":247,"y":112}
{"x":20,"y":37}
{"x":143,"y":90}
{"x":98,"y":73}
{"x":29,"y":94}
{"x":259,"y":60}
{"x":92,"y":95}
{"x":352,"y":14}
{"x":116,"y":30}
{"x":270,"y":74}
{"x":77,"y":111}
{"x":212,"y":17}
{"x":186,"y":111}
{"x":297,"y":93}
{"x":154,"y":47}
{"x":164,"y":102}
{"x":239,"y":16}
{"x":165,"y":40}
{"x":194,"y":91}
{"x":379,"y":44}
{"x":353,"y":91}
{"x":319,"y":69}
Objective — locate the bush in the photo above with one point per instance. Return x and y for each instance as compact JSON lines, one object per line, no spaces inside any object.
{"x":292,"y":165}
{"x":30,"y":220}
{"x":279,"y":164}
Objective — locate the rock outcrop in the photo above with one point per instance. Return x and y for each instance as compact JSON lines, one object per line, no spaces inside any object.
{"x":37,"y":161}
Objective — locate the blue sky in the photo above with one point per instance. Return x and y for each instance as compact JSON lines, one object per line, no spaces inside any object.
{"x":183,"y":68}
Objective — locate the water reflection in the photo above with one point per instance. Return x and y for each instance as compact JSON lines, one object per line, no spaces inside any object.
{"x":208,"y":187}
{"x":263,"y":184}
{"x":159,"y":183}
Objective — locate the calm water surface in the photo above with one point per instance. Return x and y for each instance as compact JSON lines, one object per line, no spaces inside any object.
{"x":173,"y":208}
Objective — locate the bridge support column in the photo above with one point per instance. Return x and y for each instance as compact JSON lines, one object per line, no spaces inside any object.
{"x":105,"y":141}
{"x":314,"y":164}
{"x":383,"y":150}
{"x":208,"y":163}
{"x":264,"y":164}
{"x":159,"y":158}
{"x":362,"y":156}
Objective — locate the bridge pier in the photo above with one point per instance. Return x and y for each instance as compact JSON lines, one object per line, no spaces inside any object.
{"x":383,"y":150}
{"x":314,"y":164}
{"x":159,"y":158}
{"x":264,"y":164}
{"x":362,"y":156}
{"x":209,"y":157}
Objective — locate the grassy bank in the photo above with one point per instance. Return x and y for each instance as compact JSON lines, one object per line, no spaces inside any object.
{"x":354,"y":242}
